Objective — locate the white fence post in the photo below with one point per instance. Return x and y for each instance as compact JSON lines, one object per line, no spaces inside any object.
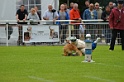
{"x":69,"y":30}
{"x":7,"y":25}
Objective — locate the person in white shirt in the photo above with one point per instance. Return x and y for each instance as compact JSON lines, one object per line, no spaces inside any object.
{"x":50,"y":14}
{"x":81,"y":44}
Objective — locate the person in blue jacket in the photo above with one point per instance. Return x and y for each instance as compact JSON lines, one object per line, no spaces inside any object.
{"x":90,"y":14}
{"x":63,"y":15}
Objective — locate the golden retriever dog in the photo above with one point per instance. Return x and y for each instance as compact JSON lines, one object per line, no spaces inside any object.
{"x":69,"y":48}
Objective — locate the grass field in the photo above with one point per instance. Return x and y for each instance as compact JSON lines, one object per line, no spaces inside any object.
{"x":46,"y":64}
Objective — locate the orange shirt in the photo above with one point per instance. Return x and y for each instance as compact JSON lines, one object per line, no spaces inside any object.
{"x":74,"y":14}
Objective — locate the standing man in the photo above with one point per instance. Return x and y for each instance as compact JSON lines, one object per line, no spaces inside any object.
{"x":71,"y":5}
{"x":90,"y":14}
{"x":75,"y":15}
{"x":36,"y":9}
{"x":116,"y":19}
{"x":107,"y":31}
{"x":87,"y":3}
{"x":98,"y":10}
{"x":66,"y":8}
{"x":21,"y":14}
{"x":63,"y":15}
{"x":111,"y":5}
{"x":50,"y":14}
{"x":99,"y":14}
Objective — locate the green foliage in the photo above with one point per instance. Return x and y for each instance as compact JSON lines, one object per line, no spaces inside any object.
{"x":46,"y":64}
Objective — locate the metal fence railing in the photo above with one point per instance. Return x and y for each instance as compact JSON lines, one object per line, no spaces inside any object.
{"x":11,"y":34}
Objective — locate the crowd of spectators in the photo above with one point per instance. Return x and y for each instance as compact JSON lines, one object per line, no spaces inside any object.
{"x":90,"y":12}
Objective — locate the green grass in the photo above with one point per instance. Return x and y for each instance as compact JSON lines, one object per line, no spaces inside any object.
{"x":46,"y":64}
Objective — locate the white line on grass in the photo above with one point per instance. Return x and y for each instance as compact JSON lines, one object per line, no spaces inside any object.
{"x":40,"y":79}
{"x":108,"y":65}
{"x":97,"y":78}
